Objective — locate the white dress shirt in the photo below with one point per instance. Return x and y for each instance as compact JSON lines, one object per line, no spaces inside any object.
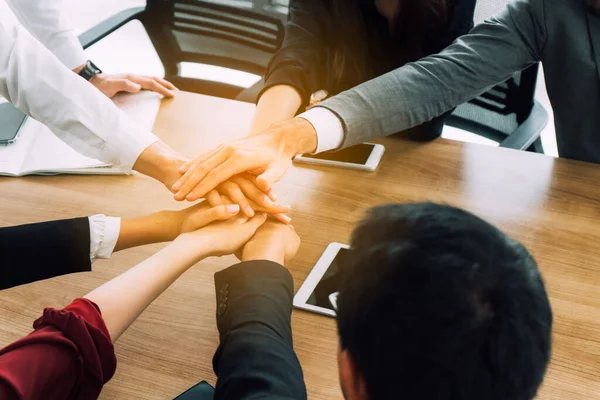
{"x":48,"y":23}
{"x":329,"y":128}
{"x":37,"y":83}
{"x":104,"y":233}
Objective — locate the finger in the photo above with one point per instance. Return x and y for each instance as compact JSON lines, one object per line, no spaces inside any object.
{"x":195,"y":162}
{"x":234,"y":192}
{"x":272,"y":195}
{"x":165,"y":83}
{"x":125,"y":85}
{"x":282,"y":218}
{"x":223,"y":171}
{"x":255,"y":194}
{"x":272,"y":175}
{"x":203,"y":217}
{"x":254,"y":223}
{"x":214,"y":199}
{"x":252,"y":178}
{"x":198,"y":172}
{"x":151,"y":84}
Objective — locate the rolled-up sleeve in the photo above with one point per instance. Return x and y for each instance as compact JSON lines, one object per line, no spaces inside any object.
{"x":36,"y":82}
{"x":69,"y":355}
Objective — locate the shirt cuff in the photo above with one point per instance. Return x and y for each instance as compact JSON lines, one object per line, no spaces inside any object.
{"x":104,"y":233}
{"x":130,"y":144}
{"x":70,"y":53}
{"x":329,"y":128}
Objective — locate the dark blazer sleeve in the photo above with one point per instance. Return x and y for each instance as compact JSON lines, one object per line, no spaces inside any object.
{"x":302,"y":58}
{"x":256,"y":358}
{"x":33,"y":252}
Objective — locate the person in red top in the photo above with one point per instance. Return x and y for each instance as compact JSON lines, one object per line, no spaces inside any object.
{"x":70,"y":353}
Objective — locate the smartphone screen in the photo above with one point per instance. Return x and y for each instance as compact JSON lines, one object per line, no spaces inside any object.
{"x":11,"y":120}
{"x":358,"y":154}
{"x":325,"y":290}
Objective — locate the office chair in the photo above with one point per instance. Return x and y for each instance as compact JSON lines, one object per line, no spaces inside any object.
{"x":507,"y":113}
{"x":204,"y":32}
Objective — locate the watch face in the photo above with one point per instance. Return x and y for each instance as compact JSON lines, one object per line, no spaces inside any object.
{"x":89,"y":71}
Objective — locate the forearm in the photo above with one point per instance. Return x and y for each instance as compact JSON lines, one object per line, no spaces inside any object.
{"x":278,"y":103}
{"x":38,"y":84}
{"x":256,"y":326}
{"x":416,"y":93}
{"x":47,"y":21}
{"x":124,"y":298}
{"x":154,"y":228}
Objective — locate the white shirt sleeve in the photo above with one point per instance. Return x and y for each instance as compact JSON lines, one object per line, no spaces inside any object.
{"x":76,"y":112}
{"x":104,"y":233}
{"x":329,"y":128}
{"x":47,"y":21}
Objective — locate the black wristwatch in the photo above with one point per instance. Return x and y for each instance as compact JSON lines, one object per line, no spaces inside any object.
{"x":89,"y":71}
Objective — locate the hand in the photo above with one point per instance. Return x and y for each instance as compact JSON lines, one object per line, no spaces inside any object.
{"x":222,"y":238}
{"x":161,"y":162}
{"x":201,"y":215}
{"x":274,"y":242}
{"x":268,"y":155}
{"x":110,"y":84}
{"x":242,"y":190}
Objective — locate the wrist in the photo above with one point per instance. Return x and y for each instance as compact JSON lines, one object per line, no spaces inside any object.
{"x":160,"y":162}
{"x":298,"y":137}
{"x":78,"y":69}
{"x":255,"y":251}
{"x":166,"y":224}
{"x":192,"y":246}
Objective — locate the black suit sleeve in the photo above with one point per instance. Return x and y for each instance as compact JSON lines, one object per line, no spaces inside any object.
{"x":256,"y":358}
{"x":33,"y":252}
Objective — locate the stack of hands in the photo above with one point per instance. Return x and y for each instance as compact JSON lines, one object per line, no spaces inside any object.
{"x":242,"y":171}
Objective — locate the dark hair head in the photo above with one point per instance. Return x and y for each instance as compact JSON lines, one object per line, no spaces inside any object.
{"x":438,"y":304}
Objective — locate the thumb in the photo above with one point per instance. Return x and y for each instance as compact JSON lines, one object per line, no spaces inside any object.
{"x":272,"y":174}
{"x":205,"y":217}
{"x":125,"y":85}
{"x":252,"y":225}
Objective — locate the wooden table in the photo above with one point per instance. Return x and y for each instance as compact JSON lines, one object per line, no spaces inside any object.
{"x":552,"y":206}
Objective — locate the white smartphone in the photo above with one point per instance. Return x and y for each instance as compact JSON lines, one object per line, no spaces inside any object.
{"x":319,"y":291}
{"x":364,"y":157}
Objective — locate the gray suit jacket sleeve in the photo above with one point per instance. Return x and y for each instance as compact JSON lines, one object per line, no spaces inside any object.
{"x":491,"y":53}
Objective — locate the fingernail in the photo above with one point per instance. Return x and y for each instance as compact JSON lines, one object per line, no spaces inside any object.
{"x":285,"y":218}
{"x":249,"y":211}
{"x":190,"y":197}
{"x":268,"y":202}
{"x":233,"y":209}
{"x":177,"y":186}
{"x":273,"y":196}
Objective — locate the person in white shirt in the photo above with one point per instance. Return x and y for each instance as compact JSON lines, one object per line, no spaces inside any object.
{"x":42,"y":81}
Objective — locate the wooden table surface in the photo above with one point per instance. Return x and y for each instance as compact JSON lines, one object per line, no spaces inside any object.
{"x":552,"y":206}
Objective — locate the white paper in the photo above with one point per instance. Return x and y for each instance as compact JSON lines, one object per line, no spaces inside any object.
{"x":39,"y":151}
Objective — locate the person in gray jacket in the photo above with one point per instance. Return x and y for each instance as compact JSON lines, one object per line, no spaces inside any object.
{"x":563,"y":35}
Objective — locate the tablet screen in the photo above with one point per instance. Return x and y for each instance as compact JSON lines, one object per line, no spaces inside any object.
{"x":329,"y":284}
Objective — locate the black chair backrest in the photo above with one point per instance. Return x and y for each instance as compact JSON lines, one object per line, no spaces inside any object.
{"x":498,"y":112}
{"x":231,"y":23}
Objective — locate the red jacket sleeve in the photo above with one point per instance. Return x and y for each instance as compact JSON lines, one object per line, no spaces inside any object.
{"x":69,"y":355}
